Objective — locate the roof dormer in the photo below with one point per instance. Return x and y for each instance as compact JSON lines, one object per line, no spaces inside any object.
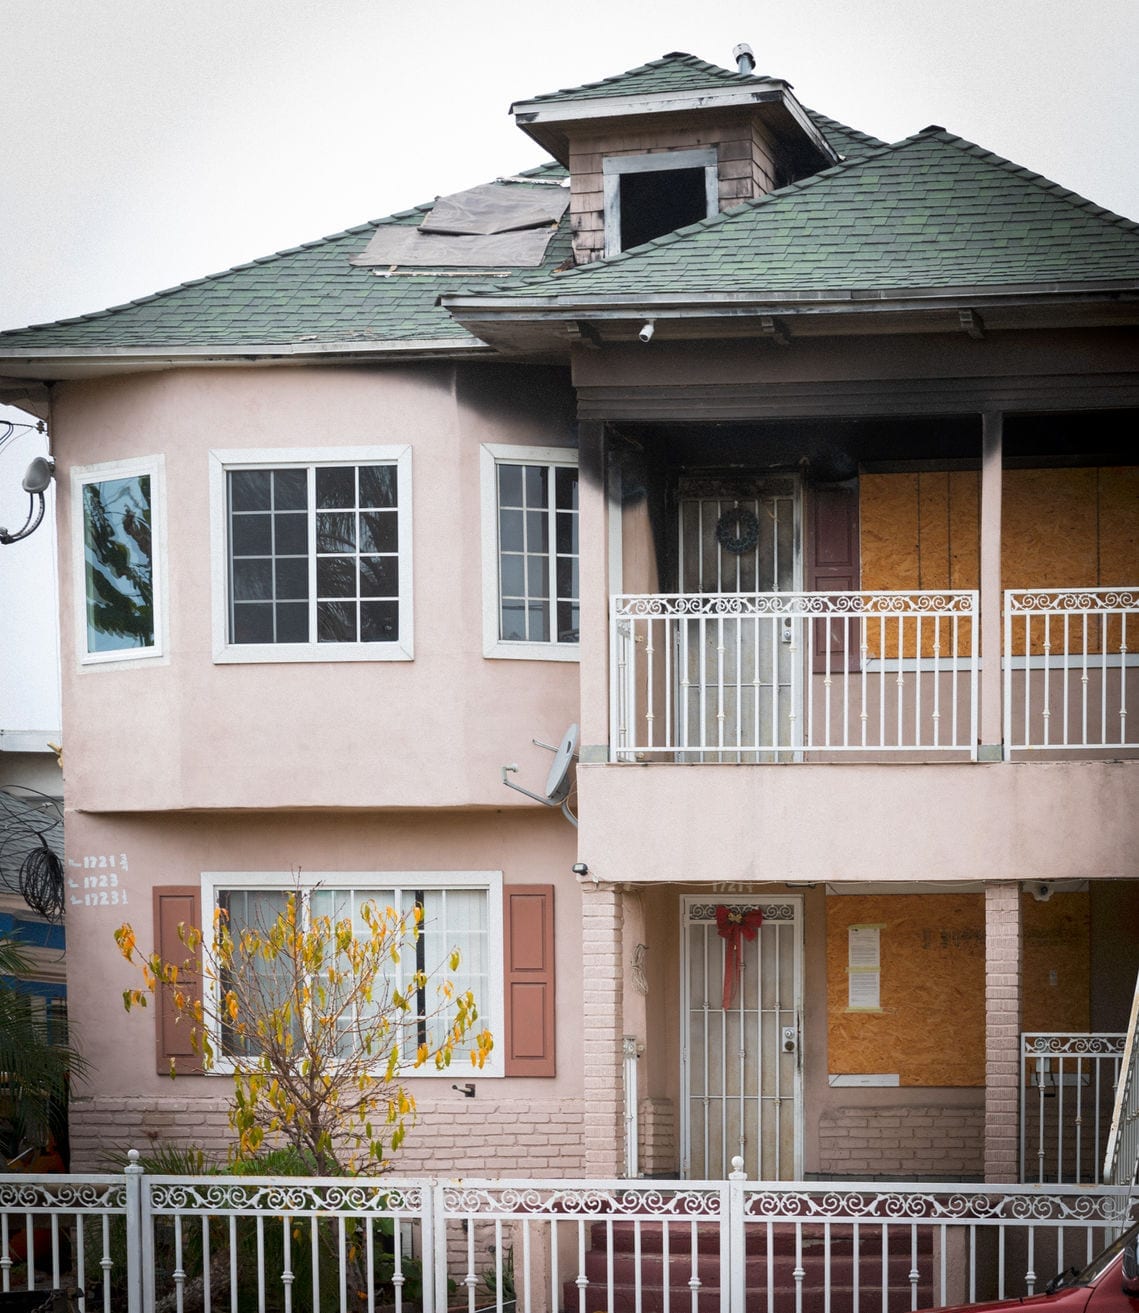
{"x":668,"y":144}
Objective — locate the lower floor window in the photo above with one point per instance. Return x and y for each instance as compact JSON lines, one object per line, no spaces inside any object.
{"x":458,"y":915}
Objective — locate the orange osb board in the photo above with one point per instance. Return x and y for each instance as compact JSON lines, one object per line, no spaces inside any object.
{"x":931,"y":1029}
{"x":1119,"y":508}
{"x":1049,"y":529}
{"x":1061,"y":528}
{"x":888,"y":519}
{"x":1056,"y":962}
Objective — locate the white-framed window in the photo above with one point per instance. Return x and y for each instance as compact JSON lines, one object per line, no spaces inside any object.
{"x":462,"y":910}
{"x":312,"y":554}
{"x":531,"y":597}
{"x":646,"y":196}
{"x":119,"y":537}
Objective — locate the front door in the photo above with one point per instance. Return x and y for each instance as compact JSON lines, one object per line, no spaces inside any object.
{"x":736,"y":689}
{"x":741,"y":1074}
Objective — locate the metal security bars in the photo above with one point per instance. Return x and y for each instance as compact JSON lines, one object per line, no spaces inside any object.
{"x":1070,"y":668}
{"x":734,"y":677}
{"x":163,"y":1244}
{"x":1067,"y":1090}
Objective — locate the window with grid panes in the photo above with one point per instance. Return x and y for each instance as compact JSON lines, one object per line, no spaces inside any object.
{"x":456,"y":916}
{"x":537,"y":552}
{"x":315,"y":555}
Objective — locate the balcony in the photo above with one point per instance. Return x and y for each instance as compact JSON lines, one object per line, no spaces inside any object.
{"x":815,"y":677}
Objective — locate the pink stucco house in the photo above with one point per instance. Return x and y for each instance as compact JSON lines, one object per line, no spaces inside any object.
{"x":797,"y":468}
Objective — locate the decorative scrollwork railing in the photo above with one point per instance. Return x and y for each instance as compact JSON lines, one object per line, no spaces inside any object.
{"x":738,"y":677}
{"x":1069,"y":668}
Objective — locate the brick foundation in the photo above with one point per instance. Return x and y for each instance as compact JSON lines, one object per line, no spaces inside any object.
{"x":453,"y":1136}
{"x":929,"y":1143}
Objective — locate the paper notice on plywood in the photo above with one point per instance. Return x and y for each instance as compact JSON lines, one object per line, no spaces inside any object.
{"x":864,"y":968}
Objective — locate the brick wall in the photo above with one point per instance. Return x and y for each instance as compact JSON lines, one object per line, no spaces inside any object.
{"x":1002,"y":1031}
{"x":602,"y":973}
{"x":658,"y":1148}
{"x":929,"y":1143}
{"x":454,"y":1136}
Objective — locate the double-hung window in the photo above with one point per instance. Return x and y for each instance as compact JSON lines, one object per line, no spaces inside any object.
{"x":531,"y":605}
{"x":462,"y":910}
{"x":118,"y":532}
{"x":312,"y":556}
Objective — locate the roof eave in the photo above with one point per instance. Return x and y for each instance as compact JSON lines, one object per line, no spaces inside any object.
{"x":37,"y":363}
{"x":549,"y":124}
{"x":541,"y":330}
{"x":702,"y":305}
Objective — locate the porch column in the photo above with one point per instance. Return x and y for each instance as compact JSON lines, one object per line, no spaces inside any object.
{"x":1002,"y":1031}
{"x":593,"y":574}
{"x":992,"y":460}
{"x":603,"y":1027}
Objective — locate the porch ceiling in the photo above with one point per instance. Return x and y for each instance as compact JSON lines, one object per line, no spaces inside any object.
{"x":836,"y":449}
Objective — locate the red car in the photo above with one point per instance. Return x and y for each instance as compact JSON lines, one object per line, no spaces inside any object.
{"x":1109,"y":1284}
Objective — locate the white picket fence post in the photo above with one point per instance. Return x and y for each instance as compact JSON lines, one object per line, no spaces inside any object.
{"x":139,"y":1244}
{"x":733,"y":1253}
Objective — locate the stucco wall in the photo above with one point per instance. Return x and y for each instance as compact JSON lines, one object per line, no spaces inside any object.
{"x":126,"y":1101}
{"x":968,"y":821}
{"x":435,"y":731}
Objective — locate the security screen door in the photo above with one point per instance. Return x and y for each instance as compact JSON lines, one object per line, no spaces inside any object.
{"x":735,"y":694}
{"x":741,"y":1079}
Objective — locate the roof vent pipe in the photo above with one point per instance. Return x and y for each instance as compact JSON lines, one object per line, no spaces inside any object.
{"x":745,"y":58}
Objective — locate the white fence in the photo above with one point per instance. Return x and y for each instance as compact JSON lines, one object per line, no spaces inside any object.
{"x":162,"y":1244}
{"x":1070,"y":668}
{"x":782,"y":676}
{"x":1067,"y":1093}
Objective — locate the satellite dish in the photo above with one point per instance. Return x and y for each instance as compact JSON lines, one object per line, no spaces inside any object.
{"x":557,"y":781}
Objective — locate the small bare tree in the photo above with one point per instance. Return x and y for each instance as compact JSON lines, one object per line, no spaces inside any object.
{"x":318,"y":1022}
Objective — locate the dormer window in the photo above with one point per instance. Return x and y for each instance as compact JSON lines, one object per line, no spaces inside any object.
{"x":647,"y":196}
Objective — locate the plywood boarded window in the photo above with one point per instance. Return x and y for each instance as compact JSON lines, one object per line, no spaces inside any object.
{"x":1061,"y":528}
{"x":931,"y":1027}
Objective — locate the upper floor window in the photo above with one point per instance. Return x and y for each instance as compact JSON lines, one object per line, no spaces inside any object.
{"x":117,"y":532}
{"x":531,"y":602}
{"x":312,"y":557}
{"x":647,"y":196}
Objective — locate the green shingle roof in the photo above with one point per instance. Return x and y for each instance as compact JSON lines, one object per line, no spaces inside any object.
{"x":846,"y":141}
{"x":673,"y":72}
{"x":308,"y":294}
{"x":932,"y":211}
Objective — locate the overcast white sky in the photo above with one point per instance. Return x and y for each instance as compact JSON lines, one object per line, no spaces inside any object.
{"x":147,"y":142}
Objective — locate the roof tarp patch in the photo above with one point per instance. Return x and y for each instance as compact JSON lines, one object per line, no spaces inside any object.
{"x":496,"y":208}
{"x":496,"y":226}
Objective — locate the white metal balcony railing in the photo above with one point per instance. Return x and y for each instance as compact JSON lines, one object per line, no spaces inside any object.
{"x":734,"y":677}
{"x":1067,"y":1092}
{"x":1070,"y":664}
{"x":136,"y":1242}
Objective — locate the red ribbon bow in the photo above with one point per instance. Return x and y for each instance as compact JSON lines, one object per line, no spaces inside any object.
{"x":734,"y":924}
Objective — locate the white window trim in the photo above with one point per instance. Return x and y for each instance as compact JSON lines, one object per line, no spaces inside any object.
{"x":491,"y":881}
{"x":224,"y":460}
{"x":155,"y":467}
{"x":613,"y":166}
{"x":492,"y":455}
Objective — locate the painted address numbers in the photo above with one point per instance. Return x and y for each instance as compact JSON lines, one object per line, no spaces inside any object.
{"x":99,"y":885}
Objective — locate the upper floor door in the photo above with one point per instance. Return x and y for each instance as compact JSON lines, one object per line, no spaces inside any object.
{"x":737,"y":687}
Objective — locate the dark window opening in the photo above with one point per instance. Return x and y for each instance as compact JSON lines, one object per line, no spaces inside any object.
{"x":659,"y":201}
